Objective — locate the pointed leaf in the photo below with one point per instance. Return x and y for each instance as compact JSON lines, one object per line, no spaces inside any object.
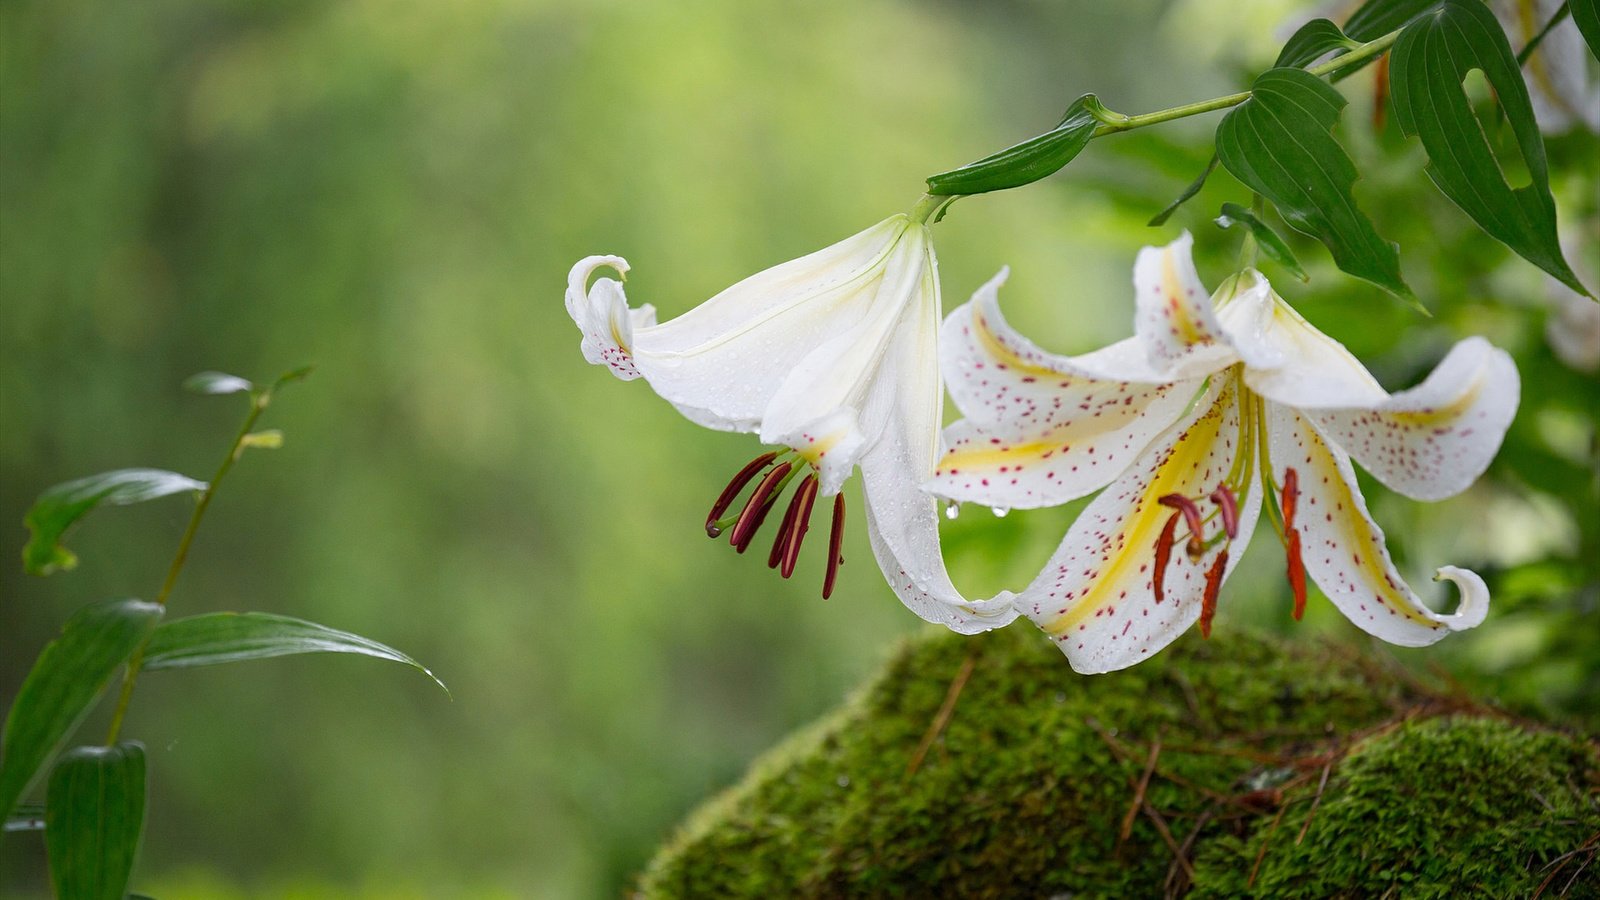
{"x":95,"y":816}
{"x":1586,"y":15}
{"x":1270,"y":242}
{"x":26,"y":817}
{"x":293,"y":375}
{"x":1194,"y":187}
{"x":216,"y":638}
{"x":1430,"y":60}
{"x":1028,"y":161}
{"x":1377,"y":18}
{"x":217,"y":383}
{"x":59,"y":507}
{"x":1311,"y":42}
{"x":69,"y":674}
{"x":1280,"y":144}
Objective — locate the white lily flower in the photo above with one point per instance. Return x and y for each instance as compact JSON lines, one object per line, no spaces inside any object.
{"x":1211,"y":407}
{"x":833,"y":358}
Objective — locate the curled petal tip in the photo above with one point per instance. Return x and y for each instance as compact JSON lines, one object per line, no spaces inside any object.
{"x":1473,"y":606}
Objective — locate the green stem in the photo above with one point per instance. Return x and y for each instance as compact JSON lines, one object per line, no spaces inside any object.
{"x":1360,"y":54}
{"x":258,"y":405}
{"x":1533,"y":43}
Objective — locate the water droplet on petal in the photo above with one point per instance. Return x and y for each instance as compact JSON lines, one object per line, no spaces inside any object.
{"x":1000,"y":512}
{"x":952,"y":509}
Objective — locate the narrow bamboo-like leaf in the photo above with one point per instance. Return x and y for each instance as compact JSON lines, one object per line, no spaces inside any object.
{"x":69,"y":674}
{"x":26,"y":817}
{"x":216,"y":638}
{"x":293,"y":375}
{"x":1280,"y":144}
{"x":1311,"y":42}
{"x":217,"y":383}
{"x":1430,"y":60}
{"x":59,"y":507}
{"x":95,"y":816}
{"x":1270,"y":242}
{"x":1377,"y":18}
{"x":1586,"y":15}
{"x":1028,"y":161}
{"x":1194,"y":187}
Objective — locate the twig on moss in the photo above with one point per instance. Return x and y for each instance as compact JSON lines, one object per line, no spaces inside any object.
{"x":1174,"y":886}
{"x":1315,"y":802}
{"x":1556,"y":865}
{"x":1154,"y":815}
{"x":1265,"y":842}
{"x":1138,"y":794}
{"x":942,"y":718}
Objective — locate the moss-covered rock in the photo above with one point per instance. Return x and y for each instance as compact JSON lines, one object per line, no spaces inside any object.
{"x":1027,"y":788}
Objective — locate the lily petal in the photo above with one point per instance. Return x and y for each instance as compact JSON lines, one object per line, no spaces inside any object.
{"x":1096,"y":596}
{"x":1343,"y":549}
{"x":603,"y":315}
{"x":722,"y":362}
{"x":1173,"y":316}
{"x":1286,"y":358}
{"x":1434,"y":440}
{"x":1026,"y":408}
{"x":902,"y":521}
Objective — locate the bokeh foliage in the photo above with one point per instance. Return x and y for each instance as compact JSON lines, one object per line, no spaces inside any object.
{"x":396,"y":190}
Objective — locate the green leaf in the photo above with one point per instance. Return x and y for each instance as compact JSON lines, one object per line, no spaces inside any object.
{"x":26,"y":817}
{"x":69,"y":674}
{"x":216,"y":638}
{"x":293,"y":375}
{"x":267,"y":439}
{"x":1194,"y":187}
{"x":1028,"y":161}
{"x":95,"y":815}
{"x":1377,"y":18}
{"x":1280,"y":144}
{"x":1266,"y":238}
{"x":1311,"y":42}
{"x":59,"y":507}
{"x":1586,"y":15}
{"x":1430,"y":60}
{"x":217,"y":383}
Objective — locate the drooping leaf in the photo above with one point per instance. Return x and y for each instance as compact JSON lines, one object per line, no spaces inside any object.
{"x":69,"y":674}
{"x":1377,"y":18}
{"x":216,"y":638}
{"x":1028,"y":161}
{"x":1270,"y":242}
{"x":94,"y":818}
{"x":1586,"y":15}
{"x":1430,"y":61}
{"x":1280,"y":144}
{"x":26,"y":817}
{"x":217,"y":383}
{"x":1311,"y":42}
{"x":1194,"y":187}
{"x":59,"y":507}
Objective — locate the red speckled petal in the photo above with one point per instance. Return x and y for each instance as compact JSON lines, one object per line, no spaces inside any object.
{"x":1096,"y":596}
{"x":1173,"y":316}
{"x":1343,"y":549}
{"x":1434,"y":440}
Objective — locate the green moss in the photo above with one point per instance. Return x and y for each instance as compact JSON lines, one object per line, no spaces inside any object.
{"x":1023,"y":793}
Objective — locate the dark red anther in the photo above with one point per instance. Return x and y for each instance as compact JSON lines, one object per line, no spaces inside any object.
{"x":755,"y":511}
{"x":835,"y":546}
{"x":1197,"y":543}
{"x":785,"y":532}
{"x":1229,"y":507}
{"x":1297,"y":573}
{"x":1163,"y":553}
{"x":804,"y":497}
{"x":1291,"y":493}
{"x":731,"y":492}
{"x":1208,"y":604}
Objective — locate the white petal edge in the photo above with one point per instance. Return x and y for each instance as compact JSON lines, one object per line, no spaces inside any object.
{"x":1173,"y":314}
{"x":601,"y":312}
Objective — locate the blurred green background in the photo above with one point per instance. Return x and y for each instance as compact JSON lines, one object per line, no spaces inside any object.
{"x":394,"y":191}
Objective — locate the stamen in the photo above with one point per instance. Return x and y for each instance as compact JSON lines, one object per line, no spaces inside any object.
{"x":755,"y":511}
{"x":1163,"y":553}
{"x":785,"y":529}
{"x":1197,"y":543}
{"x":1229,"y":507}
{"x":1208,"y":604}
{"x":804,"y":497}
{"x":1291,"y":543}
{"x":731,"y":492}
{"x":835,"y":545}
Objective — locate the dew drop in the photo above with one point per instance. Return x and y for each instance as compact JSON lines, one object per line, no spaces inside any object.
{"x":1000,"y":512}
{"x":952,"y":509}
